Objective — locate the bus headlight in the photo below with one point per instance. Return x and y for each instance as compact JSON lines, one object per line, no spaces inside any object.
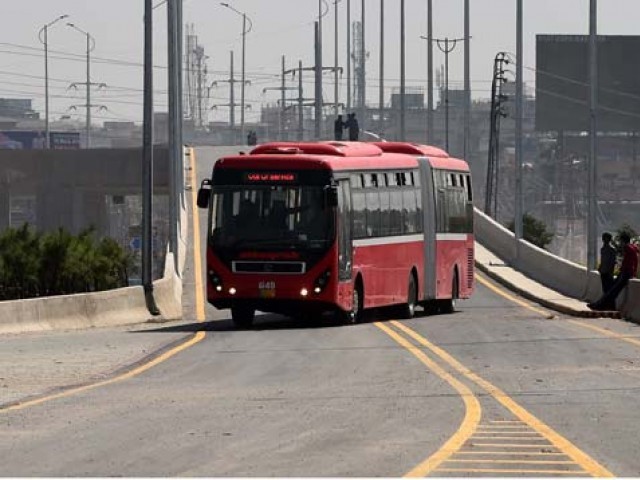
{"x":232,"y":291}
{"x":304,"y":292}
{"x":321,"y":282}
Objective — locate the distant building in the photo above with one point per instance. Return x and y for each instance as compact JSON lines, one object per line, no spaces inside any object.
{"x":17,"y":108}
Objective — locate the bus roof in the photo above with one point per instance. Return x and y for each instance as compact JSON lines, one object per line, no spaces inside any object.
{"x":411,"y":149}
{"x":341,"y":156}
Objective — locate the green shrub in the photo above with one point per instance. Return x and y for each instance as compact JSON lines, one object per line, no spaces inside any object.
{"x":58,"y":263}
{"x":534,"y":231}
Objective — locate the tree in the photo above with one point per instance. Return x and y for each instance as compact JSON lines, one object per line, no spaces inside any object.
{"x":534,"y":231}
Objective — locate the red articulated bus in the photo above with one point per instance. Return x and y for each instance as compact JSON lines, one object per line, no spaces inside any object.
{"x":300,"y":228}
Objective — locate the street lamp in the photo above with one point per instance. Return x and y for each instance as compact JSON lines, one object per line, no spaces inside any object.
{"x":91,"y":44}
{"x":42,"y":36}
{"x":245,"y":18}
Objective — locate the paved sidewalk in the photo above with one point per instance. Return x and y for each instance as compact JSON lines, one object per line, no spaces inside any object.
{"x":498,"y":270}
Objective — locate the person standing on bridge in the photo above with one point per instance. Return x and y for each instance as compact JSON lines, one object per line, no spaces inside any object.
{"x":607,"y":262}
{"x":628,"y":270}
{"x":338,"y":128}
{"x":352,"y":125}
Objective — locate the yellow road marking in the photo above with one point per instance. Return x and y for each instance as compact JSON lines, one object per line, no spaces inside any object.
{"x":527,"y":454}
{"x":500,"y":437}
{"x":197,"y":260}
{"x":510,"y":297}
{"x":608,"y":333}
{"x":507,"y":470}
{"x":513,"y":445}
{"x":580,"y":457}
{"x":538,"y":462}
{"x":472,"y":408}
{"x":159,"y":359}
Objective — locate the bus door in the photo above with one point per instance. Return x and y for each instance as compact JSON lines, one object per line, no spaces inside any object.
{"x":345,"y":249}
{"x":429,"y":225}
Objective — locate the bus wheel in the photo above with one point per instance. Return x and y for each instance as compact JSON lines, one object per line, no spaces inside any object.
{"x":355,"y":315}
{"x":242,"y":317}
{"x":449,"y":305}
{"x":409,"y":308}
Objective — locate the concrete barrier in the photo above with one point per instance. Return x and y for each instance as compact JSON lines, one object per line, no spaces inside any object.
{"x":554,"y":272}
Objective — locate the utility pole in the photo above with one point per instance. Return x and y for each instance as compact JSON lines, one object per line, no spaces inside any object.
{"x":232,"y":103}
{"x":335,"y":60}
{"x":519,"y":210}
{"x":430,"y":135}
{"x":403,"y":133}
{"x":467,"y":82}
{"x":301,"y":101}
{"x":381,"y":90}
{"x":283,"y":100}
{"x":173,"y":56}
{"x":496,"y":114}
{"x":300,"y":104}
{"x":446,"y":46}
{"x":363,"y":78}
{"x":91,"y":44}
{"x":592,"y":187}
{"x":348,"y":55}
{"x":318,"y":82}
{"x":147,"y":159}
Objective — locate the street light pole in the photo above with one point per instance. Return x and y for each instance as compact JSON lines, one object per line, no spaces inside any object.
{"x":245,"y":19}
{"x":335,"y":59}
{"x":518,"y":230}
{"x":403,"y":132}
{"x":430,"y":135}
{"x":348,"y":55}
{"x":43,"y":37}
{"x":467,"y":82}
{"x":381,"y":87}
{"x":592,"y":188}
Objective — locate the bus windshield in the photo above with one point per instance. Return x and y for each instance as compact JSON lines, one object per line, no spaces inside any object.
{"x":271,"y":217}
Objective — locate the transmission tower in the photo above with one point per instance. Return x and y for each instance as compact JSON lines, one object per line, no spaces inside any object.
{"x":196,"y":79}
{"x":359,"y":57}
{"x":498,"y":98}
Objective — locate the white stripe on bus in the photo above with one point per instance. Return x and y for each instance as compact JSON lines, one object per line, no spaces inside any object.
{"x":367,"y":242}
{"x":451,"y":236}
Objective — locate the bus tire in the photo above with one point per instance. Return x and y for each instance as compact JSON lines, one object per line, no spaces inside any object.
{"x":449,"y":305}
{"x":409,"y":308}
{"x":355,"y":315}
{"x":242,"y":317}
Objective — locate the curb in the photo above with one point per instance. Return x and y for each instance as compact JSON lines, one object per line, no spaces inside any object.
{"x":545,"y":303}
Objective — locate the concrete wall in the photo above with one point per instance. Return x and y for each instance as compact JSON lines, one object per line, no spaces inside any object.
{"x":101,"y":309}
{"x":70,"y":185}
{"x":568,"y":278}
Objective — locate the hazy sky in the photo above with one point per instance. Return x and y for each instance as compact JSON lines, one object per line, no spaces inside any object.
{"x":280,"y":27}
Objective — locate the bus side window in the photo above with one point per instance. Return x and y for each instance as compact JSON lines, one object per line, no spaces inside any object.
{"x":469,"y":190}
{"x":395,"y":216}
{"x":385,"y":212}
{"x":409,"y":210}
{"x":359,"y":214}
{"x":373,"y":213}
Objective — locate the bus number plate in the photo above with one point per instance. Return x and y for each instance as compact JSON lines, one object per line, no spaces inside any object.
{"x":267,"y":289}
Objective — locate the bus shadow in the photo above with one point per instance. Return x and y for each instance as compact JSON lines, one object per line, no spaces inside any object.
{"x":268,"y":322}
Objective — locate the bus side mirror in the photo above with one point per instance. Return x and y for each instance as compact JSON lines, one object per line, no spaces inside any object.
{"x":204,"y":194}
{"x":331,"y":196}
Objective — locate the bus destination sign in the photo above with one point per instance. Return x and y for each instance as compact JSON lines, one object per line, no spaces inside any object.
{"x":271,"y":177}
